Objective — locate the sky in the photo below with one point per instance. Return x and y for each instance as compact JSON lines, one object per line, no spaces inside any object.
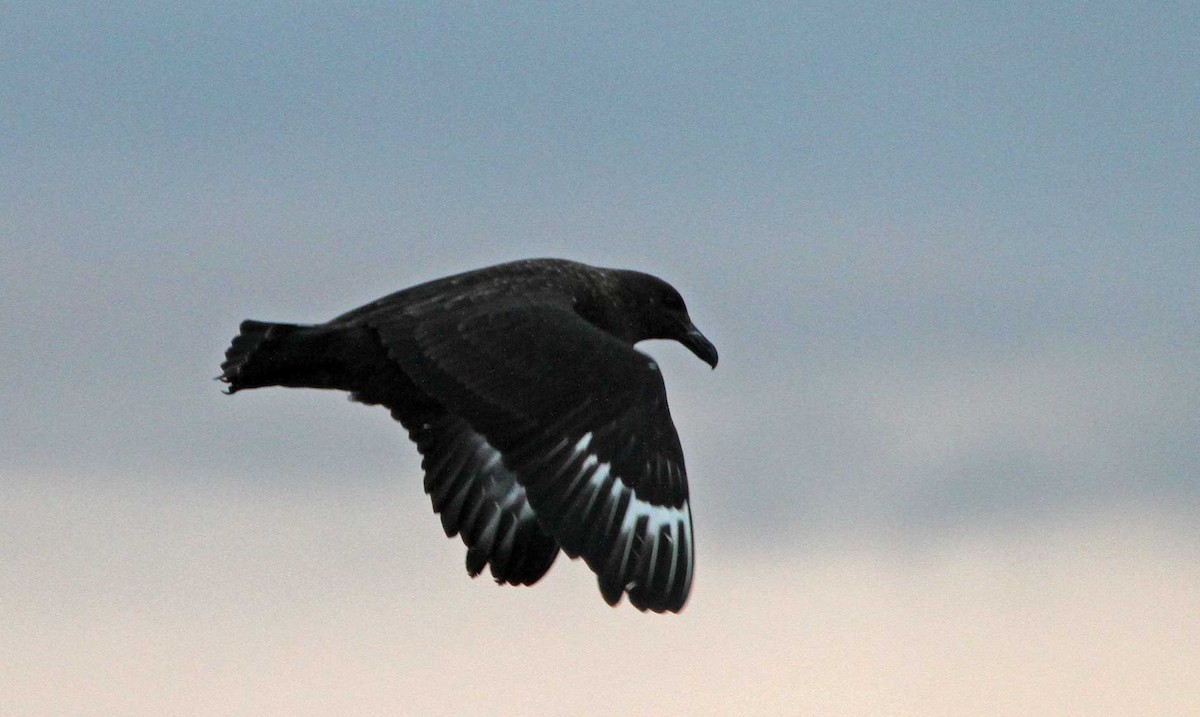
{"x":948,"y":252}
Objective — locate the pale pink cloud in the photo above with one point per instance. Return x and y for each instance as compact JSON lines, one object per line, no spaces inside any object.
{"x":120,"y":599}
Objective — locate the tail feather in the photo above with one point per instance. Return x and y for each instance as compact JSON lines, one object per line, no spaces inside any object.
{"x":271,"y":354}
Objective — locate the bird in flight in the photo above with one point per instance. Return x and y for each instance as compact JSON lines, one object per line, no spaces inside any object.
{"x":539,"y":424}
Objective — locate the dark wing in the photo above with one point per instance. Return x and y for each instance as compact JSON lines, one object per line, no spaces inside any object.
{"x":581,"y":418}
{"x":479,"y":498}
{"x":476,"y":496}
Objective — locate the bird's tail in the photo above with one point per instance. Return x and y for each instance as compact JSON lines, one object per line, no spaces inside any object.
{"x":269,"y":354}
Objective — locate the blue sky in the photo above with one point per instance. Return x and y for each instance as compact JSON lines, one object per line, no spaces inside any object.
{"x":949,"y":251}
{"x":888,"y":185}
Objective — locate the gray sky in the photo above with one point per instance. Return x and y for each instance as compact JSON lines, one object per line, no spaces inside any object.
{"x":949,"y":254}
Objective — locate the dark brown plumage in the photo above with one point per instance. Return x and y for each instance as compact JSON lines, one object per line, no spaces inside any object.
{"x":539,"y":424}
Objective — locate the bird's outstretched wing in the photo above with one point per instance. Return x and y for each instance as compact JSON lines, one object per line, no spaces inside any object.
{"x":479,"y":498}
{"x":581,"y":419}
{"x":472,"y":490}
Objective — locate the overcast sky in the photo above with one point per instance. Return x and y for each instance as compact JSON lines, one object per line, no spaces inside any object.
{"x":950,"y":254}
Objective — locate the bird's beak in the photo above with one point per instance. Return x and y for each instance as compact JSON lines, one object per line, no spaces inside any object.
{"x":700,"y":346}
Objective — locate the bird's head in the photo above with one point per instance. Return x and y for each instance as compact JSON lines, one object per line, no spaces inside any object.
{"x":655,"y":310}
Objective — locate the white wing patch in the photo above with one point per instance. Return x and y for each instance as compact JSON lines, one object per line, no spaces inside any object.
{"x":663,"y":527}
{"x":503,"y":488}
{"x":647,"y":533}
{"x":583,"y":443}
